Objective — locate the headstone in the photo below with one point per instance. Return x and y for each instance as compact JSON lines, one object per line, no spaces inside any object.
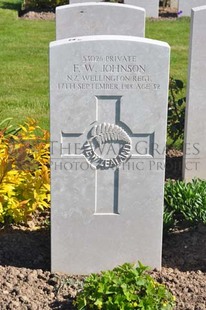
{"x":108,"y":97}
{"x":185,"y":6}
{"x":194,"y":164}
{"x":99,"y":18}
{"x":151,"y":6}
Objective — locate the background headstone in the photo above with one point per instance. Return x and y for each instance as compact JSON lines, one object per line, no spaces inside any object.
{"x":99,"y":18}
{"x":151,"y":6}
{"x":108,"y":126}
{"x":194,"y":164}
{"x":185,"y":6}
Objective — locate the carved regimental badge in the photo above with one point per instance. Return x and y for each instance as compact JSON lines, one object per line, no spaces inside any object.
{"x":103,"y":134}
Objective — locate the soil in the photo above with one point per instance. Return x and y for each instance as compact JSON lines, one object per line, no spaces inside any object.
{"x":48,"y":15}
{"x":27,"y":283}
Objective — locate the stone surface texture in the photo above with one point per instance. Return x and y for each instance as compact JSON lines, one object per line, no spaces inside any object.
{"x":194,"y":165}
{"x":98,"y":19}
{"x":151,"y":6}
{"x":185,"y":6}
{"x":107,"y":198}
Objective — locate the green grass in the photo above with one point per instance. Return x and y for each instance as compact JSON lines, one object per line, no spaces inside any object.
{"x":24,"y":84}
{"x":176,"y":34}
{"x":24,"y":44}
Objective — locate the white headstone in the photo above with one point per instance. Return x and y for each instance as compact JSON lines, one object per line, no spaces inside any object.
{"x":151,"y":6}
{"x":185,"y":6}
{"x":108,"y":97}
{"x":194,"y":164}
{"x":99,"y":18}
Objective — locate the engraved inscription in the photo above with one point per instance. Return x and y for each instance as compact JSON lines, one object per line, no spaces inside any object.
{"x":107,"y":133}
{"x":108,"y":72}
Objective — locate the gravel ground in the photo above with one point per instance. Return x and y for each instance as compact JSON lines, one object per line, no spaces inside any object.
{"x":27,"y":283}
{"x":37,"y":15}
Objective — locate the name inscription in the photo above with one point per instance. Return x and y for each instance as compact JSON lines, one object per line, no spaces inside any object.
{"x":108,"y":72}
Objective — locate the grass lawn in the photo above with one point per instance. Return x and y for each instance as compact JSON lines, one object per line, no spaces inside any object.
{"x":24,"y":65}
{"x":176,"y":33}
{"x":24,"y":89}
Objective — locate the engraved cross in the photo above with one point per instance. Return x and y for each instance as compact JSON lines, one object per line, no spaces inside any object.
{"x":108,"y":111}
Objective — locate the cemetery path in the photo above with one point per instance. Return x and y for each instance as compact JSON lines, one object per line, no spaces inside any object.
{"x":27,"y":283}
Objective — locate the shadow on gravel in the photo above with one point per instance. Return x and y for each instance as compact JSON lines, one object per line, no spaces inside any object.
{"x":28,"y":249}
{"x":63,"y":305}
{"x":186,"y":249}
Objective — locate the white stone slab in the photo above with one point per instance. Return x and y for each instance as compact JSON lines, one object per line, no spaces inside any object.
{"x":194,"y":165}
{"x":98,"y":19}
{"x":151,"y":6}
{"x":185,"y":6}
{"x":107,"y":199}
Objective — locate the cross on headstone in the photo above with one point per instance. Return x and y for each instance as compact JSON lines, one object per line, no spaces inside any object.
{"x":105,"y":178}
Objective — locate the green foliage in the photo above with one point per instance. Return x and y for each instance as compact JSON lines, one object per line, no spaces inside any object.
{"x":184,"y":202}
{"x":176,"y":111}
{"x":7,"y":128}
{"x":43,"y":4}
{"x":125,"y":287}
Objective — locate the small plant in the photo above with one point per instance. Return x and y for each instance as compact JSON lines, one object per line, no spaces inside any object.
{"x":7,"y":128}
{"x":176,"y":112}
{"x":184,"y":202}
{"x":24,"y":171}
{"x":125,"y":287}
{"x":169,"y":219}
{"x":63,"y":282}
